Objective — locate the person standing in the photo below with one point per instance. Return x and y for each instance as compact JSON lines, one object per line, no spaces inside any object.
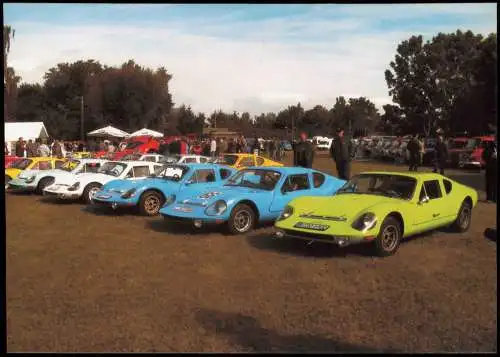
{"x":213,"y":147}
{"x":43,"y":149}
{"x":440,"y":154}
{"x":256,"y":146}
{"x":421,"y":149}
{"x":413,"y":151}
{"x":20,"y":147}
{"x":6,"y":152}
{"x":30,"y":149}
{"x":303,"y":155}
{"x":341,"y":154}
{"x":489,"y":156}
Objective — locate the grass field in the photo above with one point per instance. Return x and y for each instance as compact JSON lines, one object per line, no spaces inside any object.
{"x":83,"y":280}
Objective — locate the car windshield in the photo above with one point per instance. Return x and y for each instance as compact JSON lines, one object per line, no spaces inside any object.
{"x":133,"y":144}
{"x":227,"y":160}
{"x":171,"y":172}
{"x":394,"y":186}
{"x":69,"y":165}
{"x":255,"y":178}
{"x":22,"y":164}
{"x":172,"y":159}
{"x":132,"y":157}
{"x":112,"y":168}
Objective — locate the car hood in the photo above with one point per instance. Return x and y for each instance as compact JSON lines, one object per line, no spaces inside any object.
{"x":345,"y":205}
{"x":219,"y":192}
{"x":125,"y":185}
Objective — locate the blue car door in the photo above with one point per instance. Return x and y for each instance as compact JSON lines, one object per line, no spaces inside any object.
{"x":293,"y":186}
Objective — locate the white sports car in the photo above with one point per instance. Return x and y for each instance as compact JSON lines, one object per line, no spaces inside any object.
{"x":38,"y":180}
{"x":144,"y":157}
{"x":87,"y":184}
{"x":185,"y":159}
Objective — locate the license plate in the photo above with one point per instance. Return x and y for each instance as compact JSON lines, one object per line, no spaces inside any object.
{"x":104,"y":196}
{"x":183,"y":209}
{"x":312,"y":226}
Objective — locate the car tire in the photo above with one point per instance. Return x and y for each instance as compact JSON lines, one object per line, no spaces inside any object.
{"x":464,"y":217}
{"x":241,"y":220}
{"x":388,"y":239}
{"x":7,"y":180}
{"x":44,"y":183}
{"x":89,"y":191}
{"x":150,"y":203}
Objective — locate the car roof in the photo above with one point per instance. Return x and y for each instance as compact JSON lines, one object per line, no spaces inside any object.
{"x":195,"y":165}
{"x":133,"y":162}
{"x":415,"y":175}
{"x":285,"y":169}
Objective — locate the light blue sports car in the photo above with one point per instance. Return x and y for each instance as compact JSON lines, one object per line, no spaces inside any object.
{"x":252,"y":195}
{"x":151,"y":193}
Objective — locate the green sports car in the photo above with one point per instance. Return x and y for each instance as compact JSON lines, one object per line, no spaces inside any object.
{"x":379,"y":208}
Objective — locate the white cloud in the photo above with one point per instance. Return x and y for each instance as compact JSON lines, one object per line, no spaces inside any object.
{"x":242,"y":66}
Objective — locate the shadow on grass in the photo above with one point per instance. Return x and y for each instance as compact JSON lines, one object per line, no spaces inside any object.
{"x":55,"y":201}
{"x":20,"y":193}
{"x":161,"y":225}
{"x":491,"y":234}
{"x":247,"y":332}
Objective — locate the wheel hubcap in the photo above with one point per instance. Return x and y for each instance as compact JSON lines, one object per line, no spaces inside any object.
{"x":389,"y":238}
{"x":464,"y":217}
{"x":152,"y":204}
{"x":242,"y":221}
{"x":92,"y":192}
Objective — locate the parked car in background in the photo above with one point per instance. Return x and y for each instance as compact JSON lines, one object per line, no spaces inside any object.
{"x":472,"y":158}
{"x":85,"y":185}
{"x":379,"y":208}
{"x":137,"y":144}
{"x":38,"y":180}
{"x":32,"y":163}
{"x":150,"y":194}
{"x":144,"y":157}
{"x":252,"y":195}
{"x":8,"y":160}
{"x":239,"y":161}
{"x":457,"y":148}
{"x":185,"y":159}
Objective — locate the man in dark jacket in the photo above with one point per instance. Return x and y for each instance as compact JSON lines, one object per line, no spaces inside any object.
{"x":413,"y":148}
{"x":341,"y":154}
{"x":440,"y":154}
{"x":303,"y":152}
{"x":489,"y":156}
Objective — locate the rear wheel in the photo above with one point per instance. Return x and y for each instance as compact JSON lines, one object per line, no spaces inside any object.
{"x":464,"y":218}
{"x":389,"y":238}
{"x":150,"y":203}
{"x":242,"y":219}
{"x":90,"y":191}
{"x":45,"y":182}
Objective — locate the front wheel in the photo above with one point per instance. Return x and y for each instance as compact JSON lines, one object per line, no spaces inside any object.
{"x":242,"y":219}
{"x":44,"y":183}
{"x":464,"y":217}
{"x":90,"y":191}
{"x":388,"y":239}
{"x":150,"y":203}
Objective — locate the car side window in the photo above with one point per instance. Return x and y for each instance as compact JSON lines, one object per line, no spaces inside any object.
{"x":203,"y":159}
{"x":150,"y":158}
{"x":58,"y":164}
{"x":296,"y":183}
{"x":44,"y":165}
{"x":201,"y":176}
{"x":260,"y":161}
{"x":247,"y":161}
{"x":224,"y":173}
{"x":433,"y":189}
{"x":140,"y":171}
{"x":447,"y":186}
{"x":91,"y":167}
{"x":318,"y":179}
{"x":190,"y":160}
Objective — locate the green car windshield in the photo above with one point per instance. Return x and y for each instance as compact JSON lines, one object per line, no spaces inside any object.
{"x":393,"y":186}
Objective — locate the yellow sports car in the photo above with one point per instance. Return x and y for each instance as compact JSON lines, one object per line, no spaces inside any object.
{"x":79,"y":155}
{"x":241,"y":161}
{"x":32,"y":163}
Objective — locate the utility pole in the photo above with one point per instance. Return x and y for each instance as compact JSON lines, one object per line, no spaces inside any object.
{"x":82,"y":137}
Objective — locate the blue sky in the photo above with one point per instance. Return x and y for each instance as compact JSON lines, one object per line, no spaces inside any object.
{"x":239,"y":57}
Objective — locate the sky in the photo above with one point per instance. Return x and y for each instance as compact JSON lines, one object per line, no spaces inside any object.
{"x":254,"y":58}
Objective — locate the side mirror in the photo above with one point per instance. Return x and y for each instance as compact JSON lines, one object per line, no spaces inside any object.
{"x":189,"y":182}
{"x":424,"y":200}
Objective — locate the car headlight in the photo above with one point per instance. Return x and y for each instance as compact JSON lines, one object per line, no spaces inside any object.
{"x":287,"y":212}
{"x":128,"y":194}
{"x":169,"y":200}
{"x":365,"y":222}
{"x":30,"y":179}
{"x":74,"y":186}
{"x":216,"y":209}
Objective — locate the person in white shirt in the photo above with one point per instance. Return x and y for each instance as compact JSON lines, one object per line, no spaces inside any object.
{"x":213,"y":147}
{"x":43,"y":150}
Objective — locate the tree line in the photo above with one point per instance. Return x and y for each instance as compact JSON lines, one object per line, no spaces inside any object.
{"x":447,"y":82}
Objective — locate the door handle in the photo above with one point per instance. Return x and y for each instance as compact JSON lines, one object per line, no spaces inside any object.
{"x":435,"y":215}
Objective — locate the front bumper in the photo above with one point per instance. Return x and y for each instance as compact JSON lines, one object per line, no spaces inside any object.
{"x":190,"y":214}
{"x":340,"y":239}
{"x":18,"y":185}
{"x":113,"y":199}
{"x":62,"y":193}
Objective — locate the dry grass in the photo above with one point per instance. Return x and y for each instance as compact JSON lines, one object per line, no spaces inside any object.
{"x":82,"y":281}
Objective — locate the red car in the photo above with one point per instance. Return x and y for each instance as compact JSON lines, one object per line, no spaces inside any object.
{"x":10,"y":159}
{"x":472,"y":158}
{"x":138,"y":144}
{"x":457,"y":147}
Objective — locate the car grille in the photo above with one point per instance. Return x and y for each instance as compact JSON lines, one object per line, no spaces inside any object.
{"x":308,"y":235}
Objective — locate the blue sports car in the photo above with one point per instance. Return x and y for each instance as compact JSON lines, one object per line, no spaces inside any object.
{"x":251,"y":195}
{"x":151,"y":193}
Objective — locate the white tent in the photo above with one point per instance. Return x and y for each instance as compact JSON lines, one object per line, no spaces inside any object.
{"x":147,"y":132}
{"x":26,"y":130}
{"x":108,"y":131}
